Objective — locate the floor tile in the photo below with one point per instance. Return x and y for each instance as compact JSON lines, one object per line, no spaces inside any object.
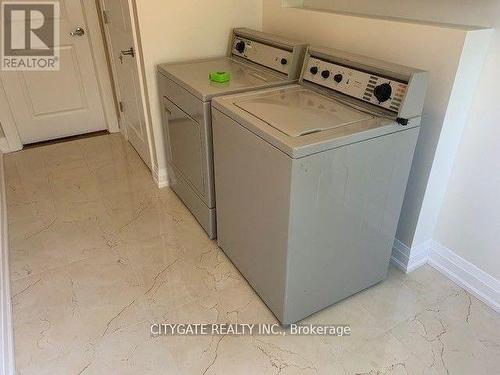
{"x":45,"y":317}
{"x":98,"y":253}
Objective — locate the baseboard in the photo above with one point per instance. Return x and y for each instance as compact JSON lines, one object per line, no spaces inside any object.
{"x":160,"y":177}
{"x":4,"y":146}
{"x":409,"y":259}
{"x":6,"y":329}
{"x":477,"y":282}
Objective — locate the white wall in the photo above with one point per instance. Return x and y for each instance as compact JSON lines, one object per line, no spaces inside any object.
{"x":189,"y":29}
{"x":390,"y":40}
{"x":468,"y":222}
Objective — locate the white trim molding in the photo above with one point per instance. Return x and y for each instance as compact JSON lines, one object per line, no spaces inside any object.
{"x":476,"y":281}
{"x":8,"y":123}
{"x":4,"y":145}
{"x":409,"y":259}
{"x":160,"y":177}
{"x":103,"y":71}
{"x":7,"y":365}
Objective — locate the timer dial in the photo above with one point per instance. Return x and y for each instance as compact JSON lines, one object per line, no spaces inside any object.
{"x":383,"y":92}
{"x":240,"y":46}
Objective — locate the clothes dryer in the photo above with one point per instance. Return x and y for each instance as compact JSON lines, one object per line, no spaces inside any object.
{"x":255,"y":60}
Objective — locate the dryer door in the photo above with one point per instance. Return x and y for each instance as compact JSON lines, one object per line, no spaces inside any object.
{"x":186,"y":148}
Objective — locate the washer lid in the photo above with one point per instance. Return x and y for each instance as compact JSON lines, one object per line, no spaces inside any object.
{"x":301,"y":112}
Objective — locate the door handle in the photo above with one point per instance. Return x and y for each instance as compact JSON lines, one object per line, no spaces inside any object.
{"x":79,"y":31}
{"x":128,"y":52}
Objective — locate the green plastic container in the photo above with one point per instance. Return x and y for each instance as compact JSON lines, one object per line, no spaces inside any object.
{"x":220,"y":77}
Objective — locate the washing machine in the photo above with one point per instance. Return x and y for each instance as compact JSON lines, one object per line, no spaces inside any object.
{"x":310,"y":178}
{"x":255,"y":60}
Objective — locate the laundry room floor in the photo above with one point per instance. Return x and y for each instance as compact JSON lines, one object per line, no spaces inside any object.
{"x":98,"y":253}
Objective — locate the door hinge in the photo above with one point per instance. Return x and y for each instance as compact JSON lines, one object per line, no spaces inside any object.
{"x":105,"y":18}
{"x":122,"y":107}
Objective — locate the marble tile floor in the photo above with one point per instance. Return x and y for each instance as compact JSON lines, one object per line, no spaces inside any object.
{"x":98,"y":252}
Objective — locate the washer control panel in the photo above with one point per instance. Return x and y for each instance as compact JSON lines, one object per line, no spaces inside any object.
{"x":383,"y":92}
{"x":263,"y":54}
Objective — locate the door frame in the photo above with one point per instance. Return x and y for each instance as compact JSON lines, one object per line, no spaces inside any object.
{"x":99,"y":55}
{"x":140,"y":69}
{"x":12,"y":142}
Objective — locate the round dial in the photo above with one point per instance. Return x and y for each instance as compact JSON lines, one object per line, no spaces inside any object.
{"x":240,"y":46}
{"x":314,"y":70}
{"x":338,"y":78}
{"x":383,"y":92}
{"x":284,"y":61}
{"x":325,"y":74}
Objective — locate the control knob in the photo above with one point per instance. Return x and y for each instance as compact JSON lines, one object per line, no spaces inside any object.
{"x":284,"y":61}
{"x":325,"y":74}
{"x":383,"y":92}
{"x":338,"y":78}
{"x":314,"y":70}
{"x":240,"y":46}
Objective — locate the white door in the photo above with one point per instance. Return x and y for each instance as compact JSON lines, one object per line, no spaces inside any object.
{"x":55,"y":104}
{"x":124,"y":59}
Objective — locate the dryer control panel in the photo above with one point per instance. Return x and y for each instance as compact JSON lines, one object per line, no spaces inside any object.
{"x":263,"y":54}
{"x":267,"y":50}
{"x":369,"y":87}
